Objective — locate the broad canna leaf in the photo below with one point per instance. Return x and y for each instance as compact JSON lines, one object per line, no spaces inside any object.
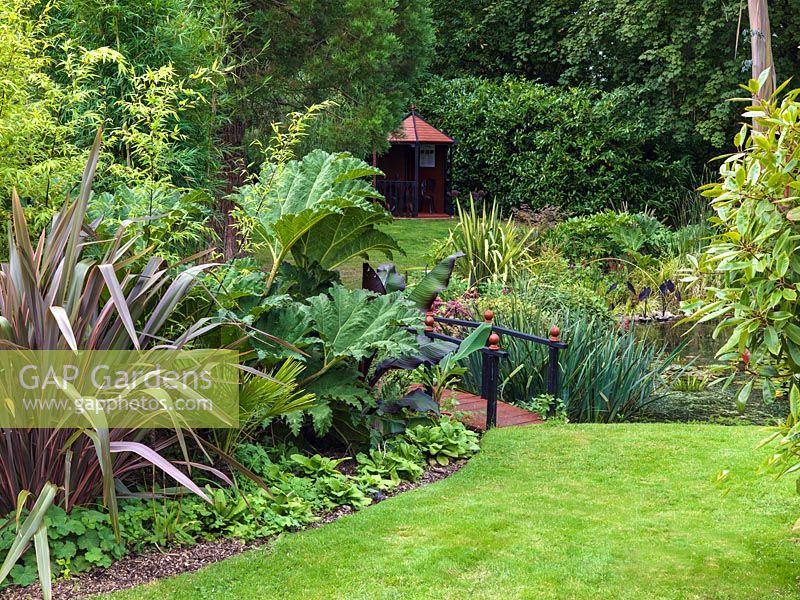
{"x":437,"y":279}
{"x":430,"y":352}
{"x":383,"y":280}
{"x":473,"y":342}
{"x":417,"y":400}
{"x":392,"y":280}
{"x":370,"y":280}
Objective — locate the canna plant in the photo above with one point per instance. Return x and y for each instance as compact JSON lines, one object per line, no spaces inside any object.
{"x":55,"y":296}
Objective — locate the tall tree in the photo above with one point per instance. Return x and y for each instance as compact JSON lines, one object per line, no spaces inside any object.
{"x":365,"y":55}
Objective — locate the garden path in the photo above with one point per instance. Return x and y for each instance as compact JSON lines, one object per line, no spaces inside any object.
{"x":474,"y":412}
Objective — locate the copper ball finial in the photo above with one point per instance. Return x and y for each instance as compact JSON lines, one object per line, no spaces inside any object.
{"x":488,"y":316}
{"x":555,"y":333}
{"x":494,"y":342}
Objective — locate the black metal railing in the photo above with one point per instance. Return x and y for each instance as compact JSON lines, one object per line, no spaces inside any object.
{"x":492,"y":354}
{"x":400,"y":196}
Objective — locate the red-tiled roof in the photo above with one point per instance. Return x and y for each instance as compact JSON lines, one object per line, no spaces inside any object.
{"x":417,"y":129}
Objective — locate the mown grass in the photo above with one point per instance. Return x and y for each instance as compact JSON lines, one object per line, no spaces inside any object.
{"x":614,"y":511}
{"x":415,"y":237}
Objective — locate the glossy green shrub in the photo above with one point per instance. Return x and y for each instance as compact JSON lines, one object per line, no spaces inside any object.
{"x":755,"y":249}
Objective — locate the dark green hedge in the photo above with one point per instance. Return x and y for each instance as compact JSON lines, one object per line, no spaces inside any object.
{"x":529,"y":143}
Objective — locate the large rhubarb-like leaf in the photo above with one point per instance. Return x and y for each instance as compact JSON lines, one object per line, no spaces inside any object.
{"x":317,"y":209}
{"x":357,"y":324}
{"x":341,"y":236}
{"x":320,"y":176}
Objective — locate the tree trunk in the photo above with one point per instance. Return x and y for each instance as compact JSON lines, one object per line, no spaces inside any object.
{"x":235,"y":168}
{"x":761,"y":45}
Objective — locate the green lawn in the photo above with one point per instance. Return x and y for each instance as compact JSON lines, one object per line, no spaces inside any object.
{"x":414,"y":236}
{"x":608,"y":511}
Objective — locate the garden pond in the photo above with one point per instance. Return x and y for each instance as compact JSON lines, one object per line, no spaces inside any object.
{"x":692,"y":397}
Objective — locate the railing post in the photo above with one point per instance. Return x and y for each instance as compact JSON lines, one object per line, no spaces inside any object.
{"x":429,"y":321}
{"x":491,"y":358}
{"x":552,"y":367}
{"x":485,"y":374}
{"x":491,"y":362}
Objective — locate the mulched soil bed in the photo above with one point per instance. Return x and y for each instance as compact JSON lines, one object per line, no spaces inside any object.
{"x":141,"y":568}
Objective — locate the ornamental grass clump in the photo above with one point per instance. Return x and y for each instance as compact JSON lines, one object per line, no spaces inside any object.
{"x":606,"y":374}
{"x":495,"y":249}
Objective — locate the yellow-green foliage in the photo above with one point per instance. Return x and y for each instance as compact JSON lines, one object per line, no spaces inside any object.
{"x":496,"y":249}
{"x":36,"y":153}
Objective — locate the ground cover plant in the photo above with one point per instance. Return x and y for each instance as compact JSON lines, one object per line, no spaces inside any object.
{"x":547,"y":512}
{"x":301,"y":488}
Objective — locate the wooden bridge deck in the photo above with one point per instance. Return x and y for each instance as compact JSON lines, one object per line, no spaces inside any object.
{"x":473,"y":409}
